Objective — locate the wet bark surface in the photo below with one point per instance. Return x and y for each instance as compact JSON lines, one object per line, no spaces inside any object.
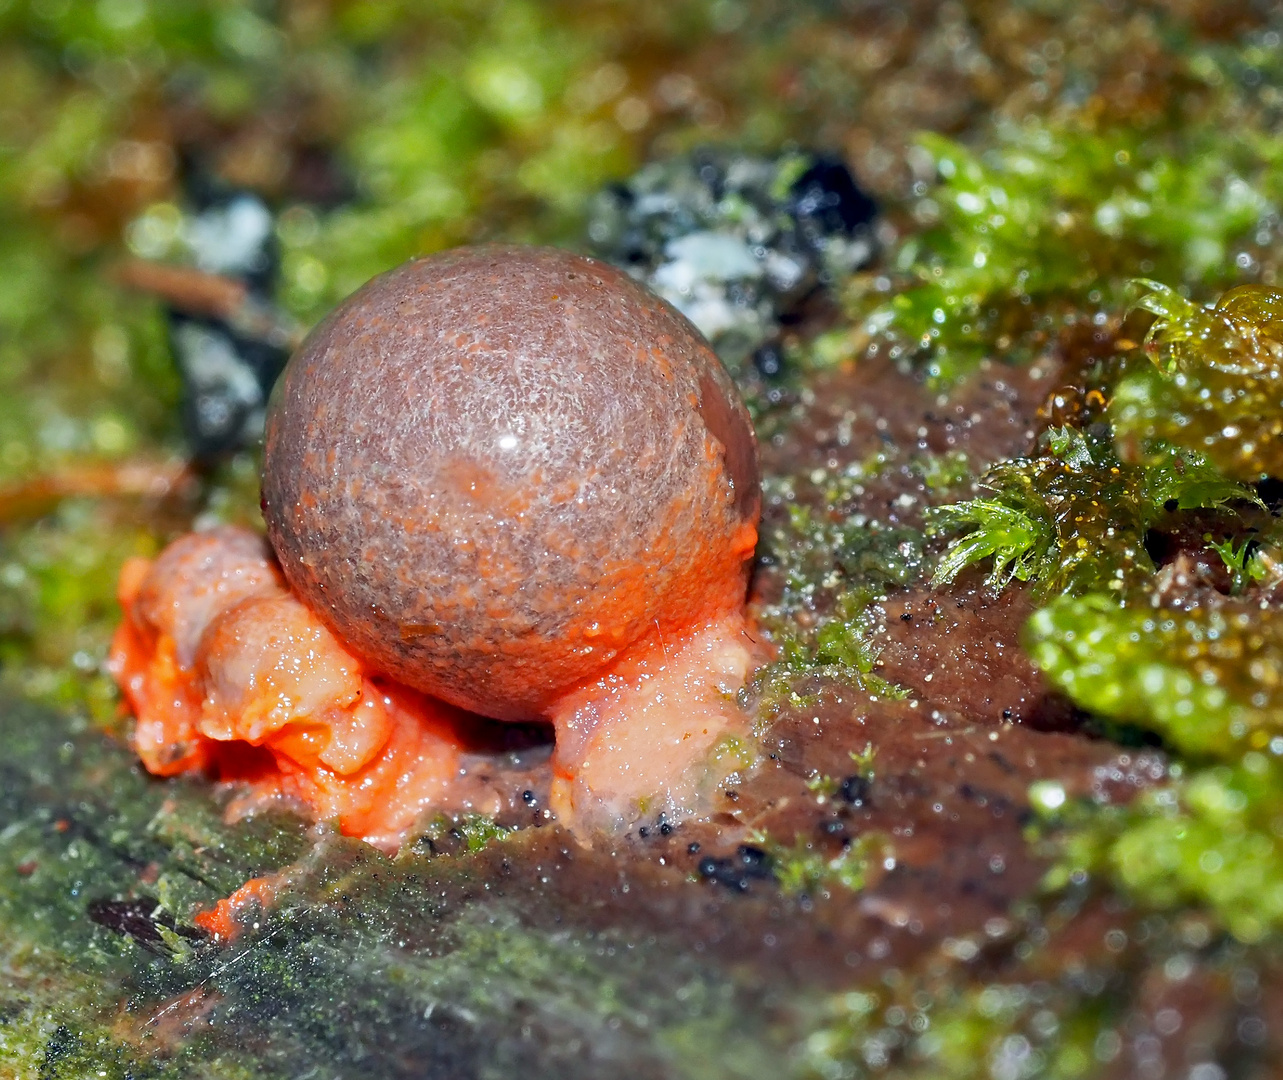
{"x":682,"y":952}
{"x":533,"y":953}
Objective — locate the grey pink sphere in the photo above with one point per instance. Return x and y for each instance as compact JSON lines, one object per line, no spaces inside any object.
{"x":494,"y":471}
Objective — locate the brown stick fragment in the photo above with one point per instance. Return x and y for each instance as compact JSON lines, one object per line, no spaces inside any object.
{"x":138,"y":477}
{"x":187,"y":289}
{"x":212,"y":295}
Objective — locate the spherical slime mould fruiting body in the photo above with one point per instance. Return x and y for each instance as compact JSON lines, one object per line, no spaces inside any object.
{"x":493,"y":471}
{"x":514,"y":480}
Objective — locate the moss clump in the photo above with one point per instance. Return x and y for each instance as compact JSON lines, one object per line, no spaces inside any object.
{"x":464,"y":834}
{"x":1209,"y":680}
{"x":1191,"y":431}
{"x":826,"y":547}
{"x":1252,"y":561}
{"x":1216,"y":386}
{"x":832,"y":565}
{"x":58,"y":606}
{"x":805,"y":869}
{"x":1052,"y":212}
{"x":839,"y":647}
{"x":1211,"y":840}
{"x":1031,"y":1015}
{"x":1073,"y":519}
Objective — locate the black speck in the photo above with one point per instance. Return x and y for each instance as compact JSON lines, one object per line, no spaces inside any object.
{"x":737,"y":872}
{"x":1002,"y":763}
{"x":62,"y":1044}
{"x":693,"y":847}
{"x":855,"y":790}
{"x":769,"y":360}
{"x":528,"y":797}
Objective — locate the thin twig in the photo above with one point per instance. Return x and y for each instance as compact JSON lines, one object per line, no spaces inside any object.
{"x":138,"y":477}
{"x":185,"y":288}
{"x":213,"y":296}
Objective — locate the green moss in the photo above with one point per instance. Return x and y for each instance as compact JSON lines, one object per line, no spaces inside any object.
{"x":824,"y":552}
{"x":839,"y":647}
{"x":81,"y":824}
{"x":1190,"y":426}
{"x":1074,"y":518}
{"x":825,"y":787}
{"x":1251,"y":561}
{"x":461,"y":834}
{"x":361,"y":963}
{"x":1211,"y":840}
{"x":455,"y":121}
{"x":84,"y":373}
{"x":1209,"y":680}
{"x":1216,"y":386}
{"x":1017,"y":235}
{"x":1027,"y":1023}
{"x":1018,"y":538}
{"x":58,"y":605}
{"x":832,"y":565}
{"x":1184,"y":432}
{"x":950,"y":471}
{"x":803,"y":869}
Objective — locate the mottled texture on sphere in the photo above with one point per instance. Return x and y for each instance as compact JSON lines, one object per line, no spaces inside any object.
{"x":493,"y":470}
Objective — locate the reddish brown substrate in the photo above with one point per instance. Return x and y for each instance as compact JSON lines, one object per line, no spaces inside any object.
{"x":958,"y":653}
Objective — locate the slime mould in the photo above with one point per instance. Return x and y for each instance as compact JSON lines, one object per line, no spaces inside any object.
{"x":502,"y":480}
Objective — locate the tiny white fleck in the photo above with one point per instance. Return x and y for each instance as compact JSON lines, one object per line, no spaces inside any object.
{"x":1047,"y":795}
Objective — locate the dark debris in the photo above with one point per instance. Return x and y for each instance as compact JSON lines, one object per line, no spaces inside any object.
{"x":738,"y":871}
{"x":713,"y":235}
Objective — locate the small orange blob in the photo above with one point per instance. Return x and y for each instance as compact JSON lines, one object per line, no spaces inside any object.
{"x":223,"y":921}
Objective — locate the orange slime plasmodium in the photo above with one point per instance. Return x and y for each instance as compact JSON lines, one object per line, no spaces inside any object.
{"x":506,"y":479}
{"x":227,"y":672}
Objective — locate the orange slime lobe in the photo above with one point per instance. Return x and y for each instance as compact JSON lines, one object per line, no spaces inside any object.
{"x":640,"y":741}
{"x":215,"y":656}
